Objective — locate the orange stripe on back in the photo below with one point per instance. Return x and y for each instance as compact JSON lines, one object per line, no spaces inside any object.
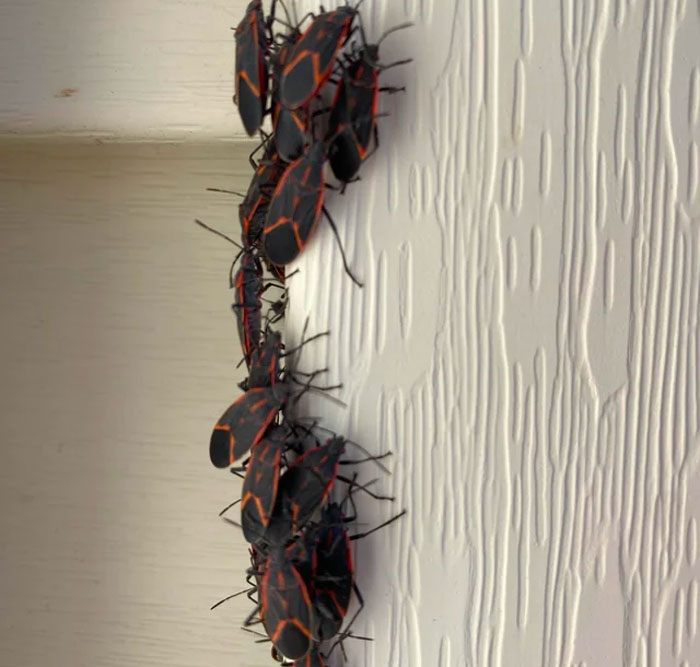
{"x":280,"y":221}
{"x":302,"y":54}
{"x":244,"y":75}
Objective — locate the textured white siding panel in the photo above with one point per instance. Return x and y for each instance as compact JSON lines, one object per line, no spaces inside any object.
{"x":527,"y":343}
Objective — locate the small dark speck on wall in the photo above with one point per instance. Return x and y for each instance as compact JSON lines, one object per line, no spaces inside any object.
{"x":66,"y":92}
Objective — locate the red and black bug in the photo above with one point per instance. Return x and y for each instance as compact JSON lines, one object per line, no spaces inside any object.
{"x":251,"y":67}
{"x":253,"y":209}
{"x":306,"y":485}
{"x":244,"y":423}
{"x":303,"y":488}
{"x":352,"y":123}
{"x":265,"y":362}
{"x":323,"y":558}
{"x":301,"y":552}
{"x":289,"y":125}
{"x":332,"y":573}
{"x":311,"y":61}
{"x":333,"y":580}
{"x":285,"y":606}
{"x":295,"y":209}
{"x":248,"y":286}
{"x":261,"y":482}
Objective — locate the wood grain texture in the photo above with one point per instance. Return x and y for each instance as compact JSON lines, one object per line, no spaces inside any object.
{"x":149,"y":69}
{"x":118,"y":352}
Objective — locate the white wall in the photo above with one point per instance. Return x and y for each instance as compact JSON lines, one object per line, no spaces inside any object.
{"x":528,"y":340}
{"x":527,"y":343}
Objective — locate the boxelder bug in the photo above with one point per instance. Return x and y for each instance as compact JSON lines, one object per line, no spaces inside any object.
{"x":311,"y":60}
{"x":352,"y":122}
{"x":265,"y":369}
{"x":285,"y":608}
{"x":265,"y":363}
{"x":303,"y":488}
{"x":253,"y":208}
{"x":248,"y":285}
{"x":244,"y":423}
{"x":261,"y":481}
{"x":290,"y":131}
{"x":251,"y":67}
{"x":289,"y":125}
{"x":333,"y":571}
{"x":295,"y":209}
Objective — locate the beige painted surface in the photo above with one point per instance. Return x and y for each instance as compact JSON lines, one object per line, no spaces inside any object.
{"x":117,"y":349}
{"x":155,"y":69}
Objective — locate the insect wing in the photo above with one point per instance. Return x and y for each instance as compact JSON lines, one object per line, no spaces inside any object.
{"x":244,"y":423}
{"x":333,"y":574}
{"x":286,"y":608}
{"x":251,"y":67}
{"x":311,"y":60}
{"x":294,"y":210}
{"x":260,"y":487}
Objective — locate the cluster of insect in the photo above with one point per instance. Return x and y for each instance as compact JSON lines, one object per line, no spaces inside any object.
{"x":318,"y":82}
